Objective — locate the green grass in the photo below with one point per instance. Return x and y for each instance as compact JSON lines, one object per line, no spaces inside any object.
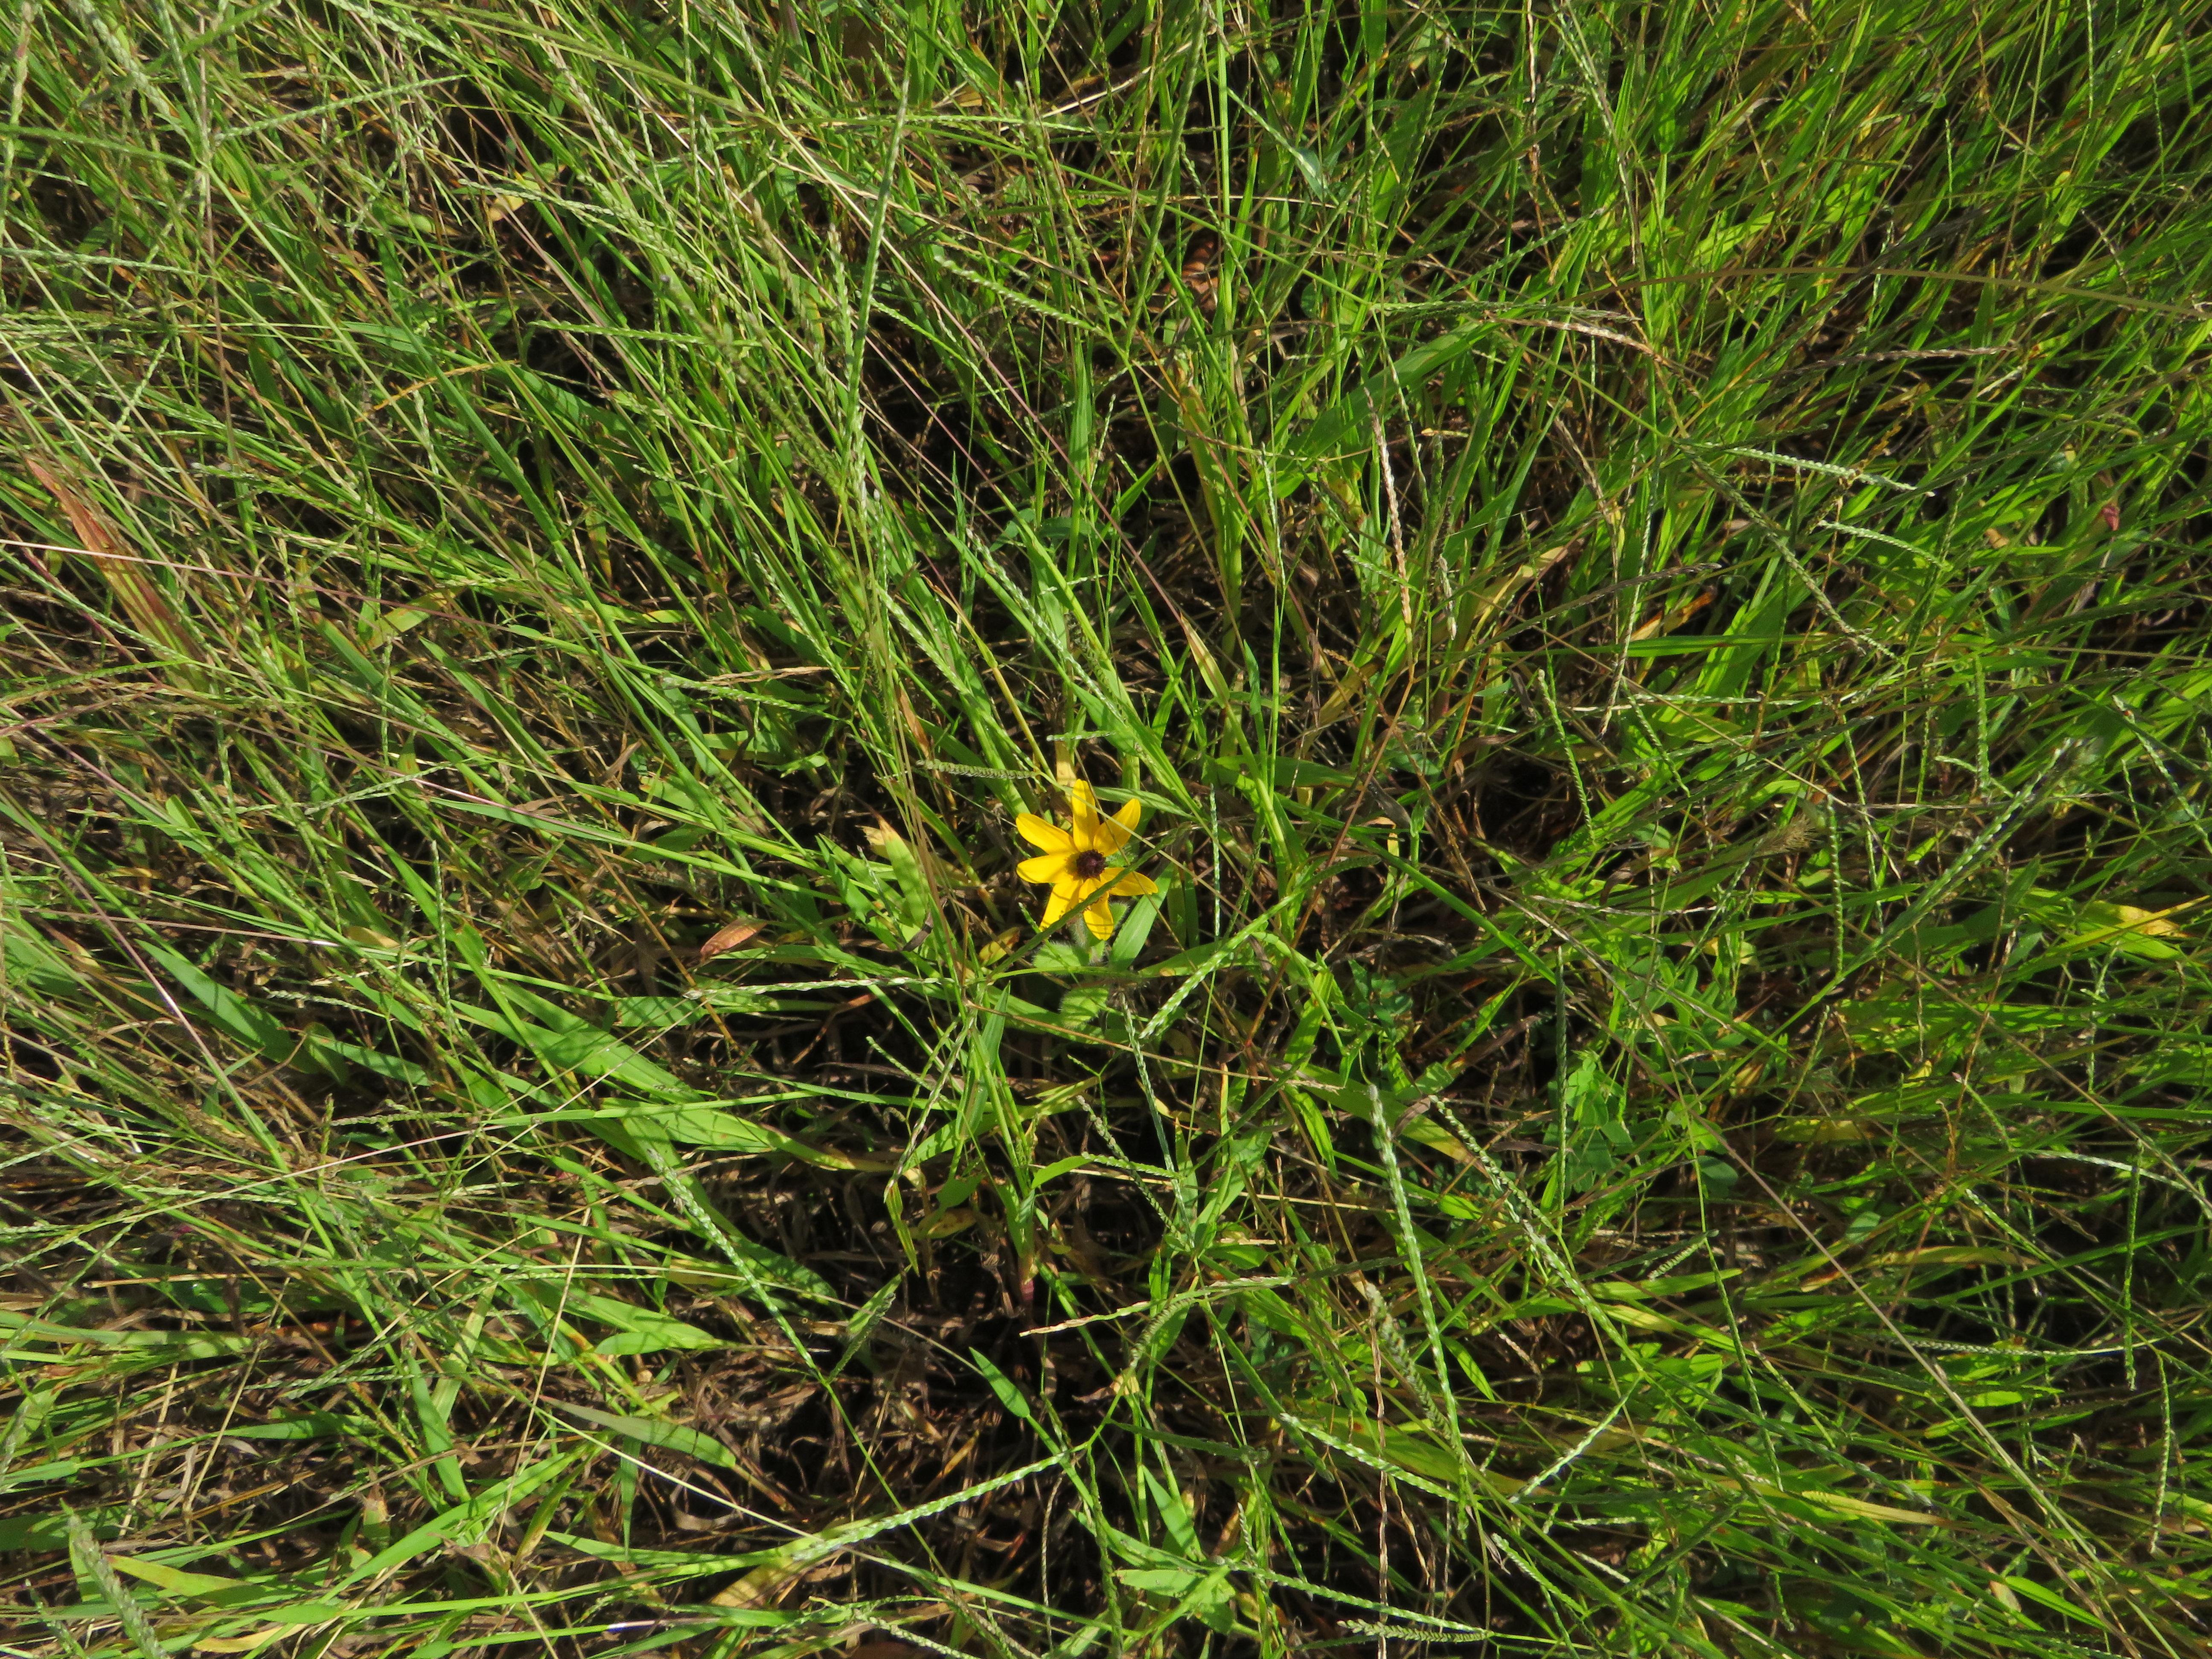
{"x":1644,"y":563}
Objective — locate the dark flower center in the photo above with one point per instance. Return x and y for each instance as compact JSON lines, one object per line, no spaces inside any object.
{"x":1088,"y":865}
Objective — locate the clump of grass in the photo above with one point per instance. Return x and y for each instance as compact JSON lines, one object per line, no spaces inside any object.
{"x":1641,"y":564}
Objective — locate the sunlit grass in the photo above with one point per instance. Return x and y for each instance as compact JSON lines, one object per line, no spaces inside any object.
{"x":1643,"y":567}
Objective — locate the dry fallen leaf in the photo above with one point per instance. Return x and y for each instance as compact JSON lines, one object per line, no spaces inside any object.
{"x":945,"y":1223}
{"x":730,"y":936}
{"x":125,"y":574}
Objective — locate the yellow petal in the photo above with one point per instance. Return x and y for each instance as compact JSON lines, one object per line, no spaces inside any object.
{"x":1066,"y":896}
{"x":1070,"y":893}
{"x":1099,"y":917}
{"x":1040,"y":834}
{"x":1048,"y":867}
{"x":1113,"y":833}
{"x":1133,"y":885}
{"x":1086,"y":814}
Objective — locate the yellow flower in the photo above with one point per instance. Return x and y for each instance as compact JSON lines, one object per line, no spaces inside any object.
{"x":1075,"y":860}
